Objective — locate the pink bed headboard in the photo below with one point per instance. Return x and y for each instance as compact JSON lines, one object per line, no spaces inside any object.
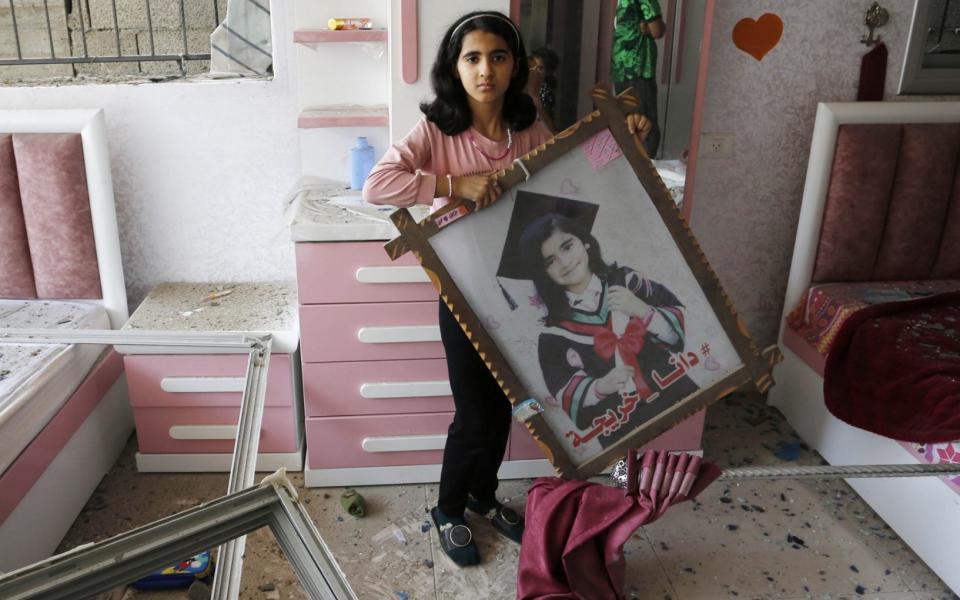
{"x":893,"y":204}
{"x":46,"y":231}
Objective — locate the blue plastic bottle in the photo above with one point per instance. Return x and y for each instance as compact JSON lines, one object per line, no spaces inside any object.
{"x":361,"y":163}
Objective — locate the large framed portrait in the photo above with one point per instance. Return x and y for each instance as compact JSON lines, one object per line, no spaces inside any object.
{"x":587,"y":295}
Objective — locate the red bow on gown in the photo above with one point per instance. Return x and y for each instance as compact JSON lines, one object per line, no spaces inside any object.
{"x":606,"y":342}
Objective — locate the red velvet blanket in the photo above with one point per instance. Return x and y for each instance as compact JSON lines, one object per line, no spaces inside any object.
{"x":894,"y":369}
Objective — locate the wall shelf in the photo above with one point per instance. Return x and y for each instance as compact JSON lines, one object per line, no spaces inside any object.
{"x":344,"y":116}
{"x":322,"y":36}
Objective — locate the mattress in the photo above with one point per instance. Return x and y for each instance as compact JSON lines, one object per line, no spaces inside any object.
{"x":825,"y":307}
{"x":37,"y":379}
{"x":935,"y":454}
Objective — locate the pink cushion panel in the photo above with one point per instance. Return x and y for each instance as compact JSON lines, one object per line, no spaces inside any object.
{"x":947,"y":265}
{"x":16,"y":272}
{"x":919,"y":201}
{"x":56,"y":208}
{"x":863,"y":172}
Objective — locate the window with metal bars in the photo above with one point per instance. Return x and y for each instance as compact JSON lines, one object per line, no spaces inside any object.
{"x":117,"y":40}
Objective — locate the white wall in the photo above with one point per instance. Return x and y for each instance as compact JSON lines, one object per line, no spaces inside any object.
{"x":200,"y":170}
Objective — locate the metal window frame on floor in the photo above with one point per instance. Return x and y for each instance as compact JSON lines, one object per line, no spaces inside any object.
{"x":99,"y":567}
{"x":226,"y":585}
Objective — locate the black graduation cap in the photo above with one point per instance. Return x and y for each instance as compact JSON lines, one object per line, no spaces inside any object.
{"x":529,"y":207}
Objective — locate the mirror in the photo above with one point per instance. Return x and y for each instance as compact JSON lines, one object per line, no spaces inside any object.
{"x":572,"y":43}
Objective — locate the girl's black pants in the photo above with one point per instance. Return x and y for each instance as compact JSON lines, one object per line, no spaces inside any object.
{"x":477,"y":438}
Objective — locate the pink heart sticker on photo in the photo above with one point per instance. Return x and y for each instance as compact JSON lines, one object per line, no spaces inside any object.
{"x":567,"y":187}
{"x":601,"y":149}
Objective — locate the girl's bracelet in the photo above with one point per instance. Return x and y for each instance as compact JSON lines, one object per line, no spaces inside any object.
{"x":449,"y":185}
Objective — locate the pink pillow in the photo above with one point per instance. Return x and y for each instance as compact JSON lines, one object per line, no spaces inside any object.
{"x":56,"y":209}
{"x":16,"y":272}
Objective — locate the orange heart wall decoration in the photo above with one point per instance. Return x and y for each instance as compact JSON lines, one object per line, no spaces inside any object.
{"x":756,"y":38}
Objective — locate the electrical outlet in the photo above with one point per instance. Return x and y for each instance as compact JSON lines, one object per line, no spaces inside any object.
{"x":716,"y":145}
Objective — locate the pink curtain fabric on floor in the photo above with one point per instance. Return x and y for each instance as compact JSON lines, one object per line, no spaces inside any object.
{"x":575,"y":530}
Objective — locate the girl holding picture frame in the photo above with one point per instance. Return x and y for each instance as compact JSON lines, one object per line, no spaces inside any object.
{"x":480,"y":121}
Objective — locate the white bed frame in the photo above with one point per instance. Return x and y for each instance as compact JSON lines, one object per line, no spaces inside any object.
{"x":35,"y":528}
{"x":924,"y":511}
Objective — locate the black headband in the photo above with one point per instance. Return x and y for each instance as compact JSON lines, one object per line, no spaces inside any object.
{"x":494,"y":15}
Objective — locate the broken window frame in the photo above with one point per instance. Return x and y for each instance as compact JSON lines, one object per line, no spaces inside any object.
{"x":230,"y":43}
{"x":99,"y":567}
{"x":226,"y":585}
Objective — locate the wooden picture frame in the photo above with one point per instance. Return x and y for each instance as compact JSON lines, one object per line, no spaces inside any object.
{"x":578,"y":282}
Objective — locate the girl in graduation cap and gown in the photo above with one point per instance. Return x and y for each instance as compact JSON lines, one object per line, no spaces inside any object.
{"x":608,"y":377}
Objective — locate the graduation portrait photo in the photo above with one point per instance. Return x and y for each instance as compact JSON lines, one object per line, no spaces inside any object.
{"x":588,"y":298}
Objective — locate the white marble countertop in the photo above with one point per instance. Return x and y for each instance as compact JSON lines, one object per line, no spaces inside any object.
{"x":269,"y":307}
{"x":329,"y":211}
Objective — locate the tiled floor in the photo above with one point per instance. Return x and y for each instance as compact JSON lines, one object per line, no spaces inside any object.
{"x":732,"y":542}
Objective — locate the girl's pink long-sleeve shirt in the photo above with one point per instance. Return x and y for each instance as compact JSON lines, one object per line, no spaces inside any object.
{"x":407,"y":173}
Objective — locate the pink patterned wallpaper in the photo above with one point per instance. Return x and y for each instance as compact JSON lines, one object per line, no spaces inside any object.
{"x":745,"y":208}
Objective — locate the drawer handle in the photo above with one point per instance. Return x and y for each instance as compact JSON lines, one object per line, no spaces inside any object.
{"x":202,"y":384}
{"x":403,"y":443}
{"x":392,"y":275}
{"x":203,"y":432}
{"x":393,"y":335}
{"x":405,"y":389}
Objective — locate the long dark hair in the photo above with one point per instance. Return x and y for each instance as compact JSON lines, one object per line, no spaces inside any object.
{"x":531,"y":253}
{"x":450,"y":110}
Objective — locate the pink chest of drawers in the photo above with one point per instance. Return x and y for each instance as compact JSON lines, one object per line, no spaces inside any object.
{"x":186,"y":406}
{"x":376,"y":395}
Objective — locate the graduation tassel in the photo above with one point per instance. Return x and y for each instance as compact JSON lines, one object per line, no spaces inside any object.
{"x":506,"y":296}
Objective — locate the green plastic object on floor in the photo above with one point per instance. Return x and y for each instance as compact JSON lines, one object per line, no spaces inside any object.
{"x":353,"y":503}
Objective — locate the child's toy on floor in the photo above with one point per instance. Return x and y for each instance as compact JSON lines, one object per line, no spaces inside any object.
{"x":180,"y":575}
{"x":353,"y":503}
